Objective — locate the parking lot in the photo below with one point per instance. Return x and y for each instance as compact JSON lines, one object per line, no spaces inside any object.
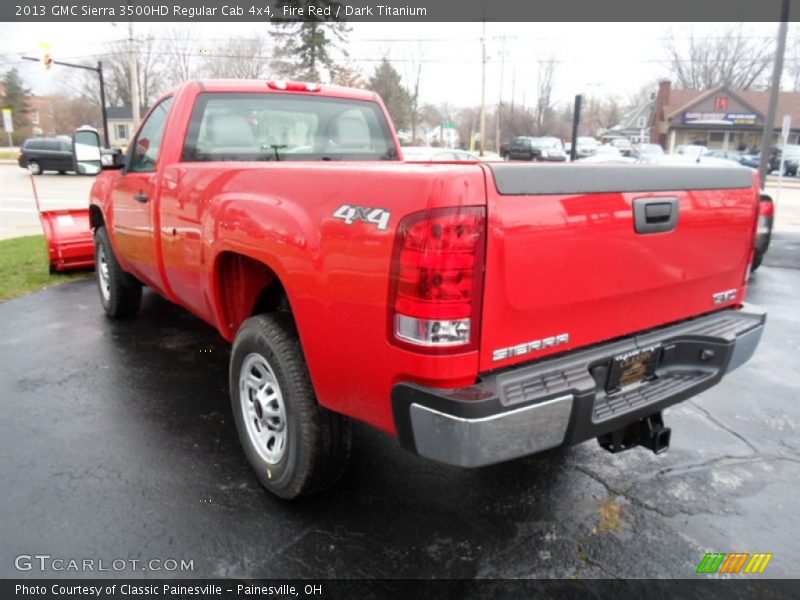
{"x":116,"y":441}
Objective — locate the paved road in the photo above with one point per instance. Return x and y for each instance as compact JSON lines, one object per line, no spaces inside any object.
{"x":18,"y":214}
{"x":116,"y":441}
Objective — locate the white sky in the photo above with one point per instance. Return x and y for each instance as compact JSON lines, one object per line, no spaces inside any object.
{"x":599,"y":59}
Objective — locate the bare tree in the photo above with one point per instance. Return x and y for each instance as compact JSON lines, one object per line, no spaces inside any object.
{"x":239,"y":58}
{"x":181,"y":50}
{"x":735,"y":58}
{"x":117,"y":74}
{"x":611,"y":112}
{"x":792,"y":61}
{"x":543,"y":111}
{"x":516,"y":121}
{"x":646,"y":93}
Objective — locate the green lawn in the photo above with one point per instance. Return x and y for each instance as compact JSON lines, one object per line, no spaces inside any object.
{"x":24,"y":267}
{"x":5,"y":153}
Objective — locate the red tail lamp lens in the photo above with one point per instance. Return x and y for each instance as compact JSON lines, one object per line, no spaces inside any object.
{"x":437,"y":279}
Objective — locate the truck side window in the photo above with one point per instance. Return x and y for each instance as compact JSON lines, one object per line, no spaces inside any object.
{"x":144,"y":155}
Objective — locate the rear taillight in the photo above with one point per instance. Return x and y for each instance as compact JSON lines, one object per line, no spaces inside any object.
{"x":766,"y":208}
{"x":437,"y":280}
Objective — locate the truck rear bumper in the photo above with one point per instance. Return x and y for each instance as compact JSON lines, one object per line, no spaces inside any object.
{"x":564,"y":400}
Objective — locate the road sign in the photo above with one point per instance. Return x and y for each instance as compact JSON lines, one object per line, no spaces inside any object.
{"x":8,"y":124}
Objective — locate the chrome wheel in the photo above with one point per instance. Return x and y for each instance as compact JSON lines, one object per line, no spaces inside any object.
{"x":263,"y":410}
{"x":102,"y":272}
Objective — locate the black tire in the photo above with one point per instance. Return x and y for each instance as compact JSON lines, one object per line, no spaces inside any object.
{"x":123,"y":296}
{"x":34,"y":167}
{"x":757,"y":260}
{"x":317,"y":443}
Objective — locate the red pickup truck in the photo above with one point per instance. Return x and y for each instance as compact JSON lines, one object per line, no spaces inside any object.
{"x":477,"y":312}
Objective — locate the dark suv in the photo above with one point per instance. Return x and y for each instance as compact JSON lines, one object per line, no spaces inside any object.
{"x":533,"y":148}
{"x":790,"y":162}
{"x":46,"y":154}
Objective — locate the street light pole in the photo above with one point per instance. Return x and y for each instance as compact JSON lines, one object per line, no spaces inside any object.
{"x":99,"y":70}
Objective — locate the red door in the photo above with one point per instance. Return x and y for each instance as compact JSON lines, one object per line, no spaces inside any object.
{"x":136,"y":201}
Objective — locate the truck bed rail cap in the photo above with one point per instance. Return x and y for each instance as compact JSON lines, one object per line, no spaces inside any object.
{"x":539,"y":179}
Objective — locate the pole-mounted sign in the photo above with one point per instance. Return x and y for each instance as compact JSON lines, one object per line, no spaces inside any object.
{"x":8,"y":124}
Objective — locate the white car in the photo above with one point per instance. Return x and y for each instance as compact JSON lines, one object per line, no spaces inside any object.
{"x":609,"y":155}
{"x":586,"y":146}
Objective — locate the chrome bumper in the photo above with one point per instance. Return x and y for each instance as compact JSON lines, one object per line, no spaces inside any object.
{"x":562,"y":401}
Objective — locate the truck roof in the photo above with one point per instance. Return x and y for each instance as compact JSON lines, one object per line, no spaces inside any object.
{"x":262,"y":85}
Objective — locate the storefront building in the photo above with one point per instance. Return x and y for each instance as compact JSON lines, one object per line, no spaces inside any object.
{"x":720,"y":118}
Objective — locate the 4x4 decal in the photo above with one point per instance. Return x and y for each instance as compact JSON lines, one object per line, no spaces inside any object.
{"x":349,"y":214}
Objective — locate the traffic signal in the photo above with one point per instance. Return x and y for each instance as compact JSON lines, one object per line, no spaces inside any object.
{"x":47,"y":61}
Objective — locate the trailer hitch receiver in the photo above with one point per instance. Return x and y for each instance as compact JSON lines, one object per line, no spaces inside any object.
{"x":648,"y":432}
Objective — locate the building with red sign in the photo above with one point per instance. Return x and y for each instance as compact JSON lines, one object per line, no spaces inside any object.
{"x":719,"y":118}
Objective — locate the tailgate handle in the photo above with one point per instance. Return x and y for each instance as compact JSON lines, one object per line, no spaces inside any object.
{"x":655,"y":215}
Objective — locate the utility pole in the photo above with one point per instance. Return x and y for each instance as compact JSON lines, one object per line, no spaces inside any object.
{"x":576,"y":120}
{"x":513,"y":89}
{"x":133,"y":60}
{"x":103,"y":110}
{"x":777,"y":69}
{"x":500,"y":98}
{"x":483,"y":86}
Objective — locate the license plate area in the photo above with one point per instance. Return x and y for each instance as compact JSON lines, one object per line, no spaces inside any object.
{"x":632,"y":367}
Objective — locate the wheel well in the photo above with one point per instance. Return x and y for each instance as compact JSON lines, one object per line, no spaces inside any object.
{"x":247,"y":287}
{"x":96,"y":218}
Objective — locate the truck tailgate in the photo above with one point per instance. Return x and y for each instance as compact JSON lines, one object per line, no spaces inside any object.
{"x":566,"y":266}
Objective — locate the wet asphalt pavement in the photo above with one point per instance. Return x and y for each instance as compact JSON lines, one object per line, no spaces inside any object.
{"x":116,"y":441}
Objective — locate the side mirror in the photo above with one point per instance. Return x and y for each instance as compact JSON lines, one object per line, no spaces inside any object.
{"x":86,"y":152}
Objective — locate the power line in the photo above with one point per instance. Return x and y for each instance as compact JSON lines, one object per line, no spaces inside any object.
{"x":534,"y":61}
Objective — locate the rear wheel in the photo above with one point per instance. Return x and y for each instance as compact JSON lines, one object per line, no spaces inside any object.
{"x":295,"y":446}
{"x":34,"y":167}
{"x":120,"y":293}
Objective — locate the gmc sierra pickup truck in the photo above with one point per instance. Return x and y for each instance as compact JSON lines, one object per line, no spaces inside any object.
{"x":477,"y":312}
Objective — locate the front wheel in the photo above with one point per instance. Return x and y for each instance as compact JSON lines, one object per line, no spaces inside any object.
{"x":295,"y":446}
{"x":35,"y":168}
{"x":120,"y":293}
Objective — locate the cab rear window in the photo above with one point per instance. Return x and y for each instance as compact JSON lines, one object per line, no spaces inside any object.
{"x":266,"y":127}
